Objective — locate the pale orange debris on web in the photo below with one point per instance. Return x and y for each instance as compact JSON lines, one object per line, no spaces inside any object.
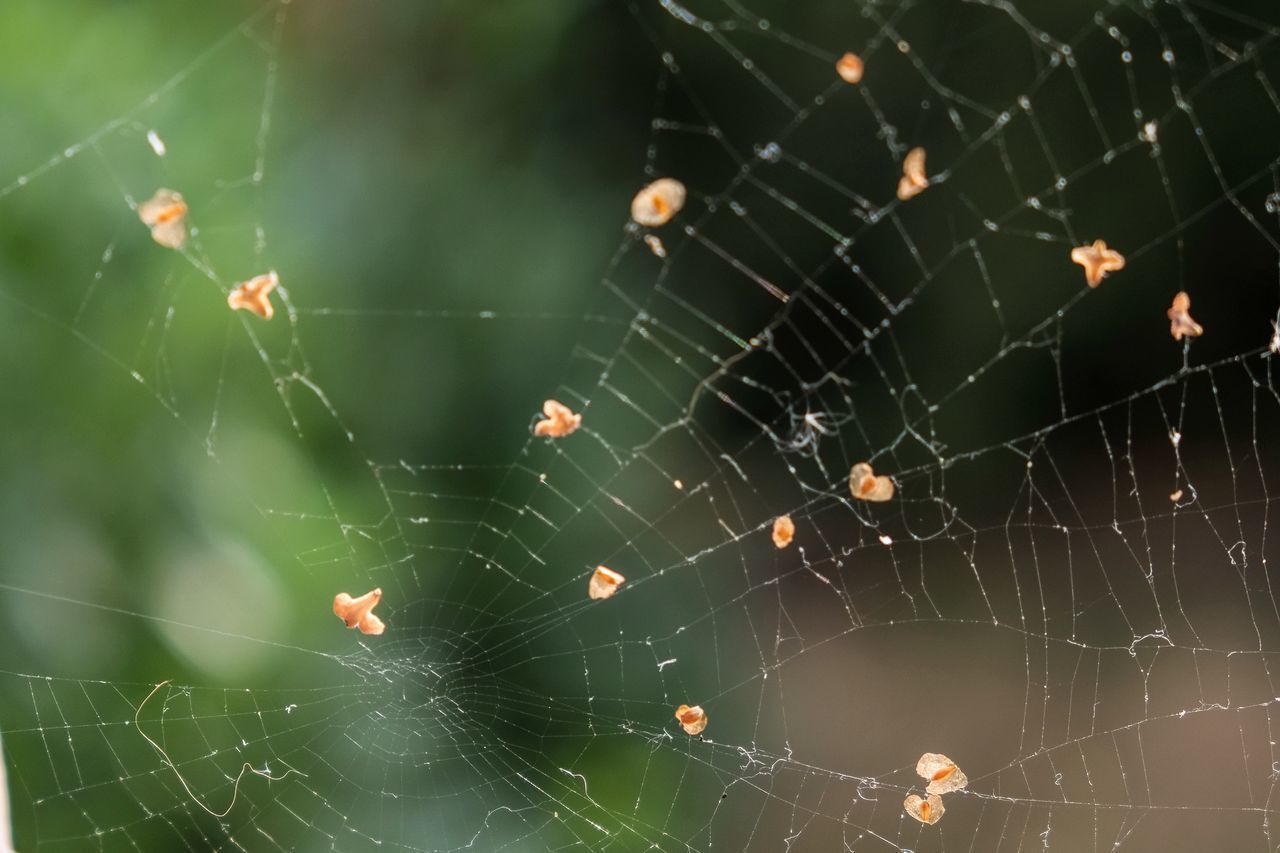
{"x":1098,"y":261}
{"x":604,"y":583}
{"x":1180,"y":323}
{"x":784,"y":530}
{"x":1274,"y":346}
{"x":654,"y":242}
{"x":914,"y":180}
{"x":926,"y":810}
{"x":679,"y":484}
{"x":865,"y":485}
{"x":255,"y":295}
{"x":692,"y":719}
{"x":358,"y":612}
{"x":849,"y":67}
{"x":658,"y":202}
{"x":1176,"y":496}
{"x":560,"y":420}
{"x":165,"y":213}
{"x":941,"y":772}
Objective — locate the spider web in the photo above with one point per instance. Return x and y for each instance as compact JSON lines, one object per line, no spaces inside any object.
{"x":1069,"y":594}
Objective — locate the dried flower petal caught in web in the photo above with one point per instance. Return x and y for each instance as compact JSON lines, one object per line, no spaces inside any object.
{"x":658,"y":202}
{"x":1097,"y":261}
{"x":865,"y":485}
{"x":604,"y":582}
{"x":358,"y":612}
{"x":926,"y":810}
{"x":849,"y":67}
{"x":941,"y":772}
{"x":255,"y":295}
{"x":165,"y":213}
{"x":560,"y":420}
{"x":784,"y":530}
{"x":692,"y":719}
{"x":913,"y":180}
{"x":1180,"y":323}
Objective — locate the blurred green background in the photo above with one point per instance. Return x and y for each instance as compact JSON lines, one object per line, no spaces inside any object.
{"x":413,"y":165}
{"x":443,"y":188}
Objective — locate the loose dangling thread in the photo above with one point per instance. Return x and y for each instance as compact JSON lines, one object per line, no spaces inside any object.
{"x":164,"y":757}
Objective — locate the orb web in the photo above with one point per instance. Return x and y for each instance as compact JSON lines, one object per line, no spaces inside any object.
{"x":1068,"y":592}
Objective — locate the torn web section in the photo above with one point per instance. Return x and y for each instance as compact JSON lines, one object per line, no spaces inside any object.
{"x":86,"y":773}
